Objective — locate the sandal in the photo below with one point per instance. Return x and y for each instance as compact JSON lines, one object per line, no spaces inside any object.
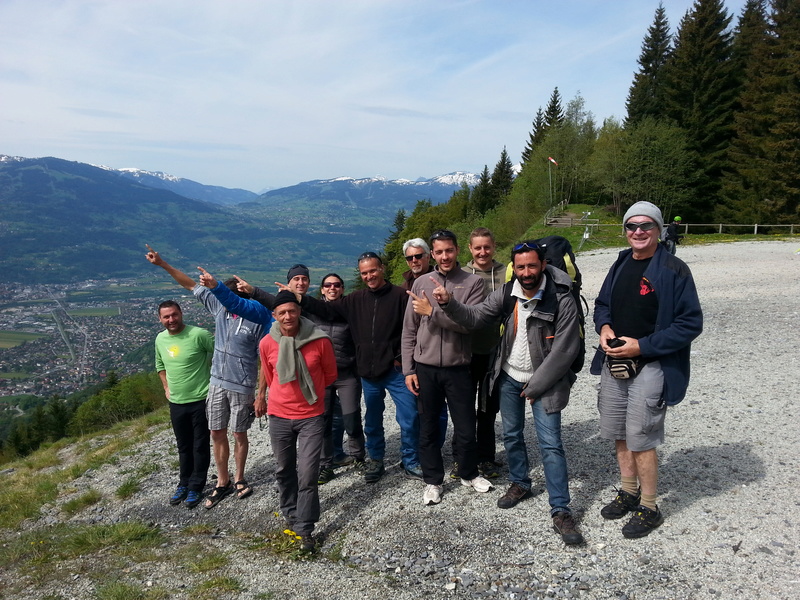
{"x":243,"y":489}
{"x":218,"y":494}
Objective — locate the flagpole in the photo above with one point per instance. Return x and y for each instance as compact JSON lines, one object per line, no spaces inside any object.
{"x":550,"y":177}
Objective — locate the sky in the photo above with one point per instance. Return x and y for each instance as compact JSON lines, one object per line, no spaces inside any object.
{"x":260,"y":94}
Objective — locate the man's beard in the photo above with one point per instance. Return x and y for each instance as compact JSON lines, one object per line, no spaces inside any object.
{"x":531,"y":285}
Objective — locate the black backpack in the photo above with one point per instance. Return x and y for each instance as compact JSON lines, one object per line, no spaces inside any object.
{"x":558,"y":252}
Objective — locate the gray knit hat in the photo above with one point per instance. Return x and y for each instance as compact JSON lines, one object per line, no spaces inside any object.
{"x":645,"y":209}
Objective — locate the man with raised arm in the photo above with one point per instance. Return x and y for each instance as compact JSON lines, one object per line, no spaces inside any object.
{"x":234,"y":377}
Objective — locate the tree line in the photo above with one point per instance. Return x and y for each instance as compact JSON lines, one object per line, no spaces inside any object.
{"x":712,"y":133}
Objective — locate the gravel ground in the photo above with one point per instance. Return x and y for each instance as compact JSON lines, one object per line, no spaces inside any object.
{"x":728,"y":485}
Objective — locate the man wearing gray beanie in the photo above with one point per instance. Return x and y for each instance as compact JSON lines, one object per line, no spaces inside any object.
{"x":647,"y":314}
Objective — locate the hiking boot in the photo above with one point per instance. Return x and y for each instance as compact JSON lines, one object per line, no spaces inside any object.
{"x":454,"y":471}
{"x":373,"y":471}
{"x":179,"y":495}
{"x":414,"y":471}
{"x":308,"y":543}
{"x":489,"y":469}
{"x":564,"y":525}
{"x":193,"y":498}
{"x":344,"y":461}
{"x":513,"y":495}
{"x":432,"y":495}
{"x":326,"y":475}
{"x":643,"y":521}
{"x":479,"y":484}
{"x":620,"y":506}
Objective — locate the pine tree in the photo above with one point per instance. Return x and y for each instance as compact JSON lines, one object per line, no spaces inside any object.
{"x":554,"y":115}
{"x":481,"y":198}
{"x":536,"y":135}
{"x":700,"y":92}
{"x":646,"y":96}
{"x":502,"y":177}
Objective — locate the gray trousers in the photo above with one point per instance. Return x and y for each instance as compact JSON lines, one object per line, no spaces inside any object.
{"x":297,"y":445}
{"x":347,"y":390}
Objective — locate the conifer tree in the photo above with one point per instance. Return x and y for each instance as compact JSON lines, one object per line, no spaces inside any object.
{"x":502,"y":177}
{"x":536,"y":135}
{"x":481,"y":198}
{"x":646,"y":96}
{"x":700,"y":91}
{"x":554,"y":115}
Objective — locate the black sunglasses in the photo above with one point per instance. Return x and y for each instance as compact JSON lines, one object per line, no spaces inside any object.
{"x":645,"y":226}
{"x":411,"y":257}
{"x":369,"y":255}
{"x":443,"y":233}
{"x":333,"y":284}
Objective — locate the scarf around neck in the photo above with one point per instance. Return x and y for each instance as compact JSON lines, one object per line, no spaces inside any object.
{"x":291,"y":363}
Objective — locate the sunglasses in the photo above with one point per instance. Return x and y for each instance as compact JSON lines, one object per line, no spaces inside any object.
{"x":411,"y":257}
{"x":369,"y":255}
{"x":332,"y":284}
{"x":443,"y":234}
{"x":645,"y":226}
{"x":526,"y":246}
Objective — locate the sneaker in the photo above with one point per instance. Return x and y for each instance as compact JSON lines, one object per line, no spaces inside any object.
{"x":564,"y":525}
{"x":489,"y":469}
{"x":326,"y":475}
{"x":414,"y":471}
{"x":479,"y":484}
{"x":620,"y":506}
{"x":513,"y":495}
{"x":344,"y":461}
{"x":193,"y":498}
{"x":643,"y":521}
{"x":373,"y":471}
{"x":454,"y":471}
{"x":308,"y":543}
{"x":432,"y":495}
{"x":179,"y":495}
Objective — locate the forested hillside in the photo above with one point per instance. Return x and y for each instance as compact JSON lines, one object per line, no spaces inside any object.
{"x":712,"y":134}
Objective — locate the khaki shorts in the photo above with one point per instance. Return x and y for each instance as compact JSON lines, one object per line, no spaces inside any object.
{"x":224,"y":407}
{"x":633,"y":409}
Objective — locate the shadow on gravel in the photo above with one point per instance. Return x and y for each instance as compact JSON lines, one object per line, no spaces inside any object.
{"x":689,"y":475}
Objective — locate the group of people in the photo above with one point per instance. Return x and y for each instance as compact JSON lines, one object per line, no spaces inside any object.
{"x":450,"y":343}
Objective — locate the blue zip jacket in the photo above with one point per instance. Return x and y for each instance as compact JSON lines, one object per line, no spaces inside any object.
{"x":678,"y":323}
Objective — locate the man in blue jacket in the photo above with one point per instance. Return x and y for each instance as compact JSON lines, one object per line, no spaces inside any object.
{"x":647,"y":314}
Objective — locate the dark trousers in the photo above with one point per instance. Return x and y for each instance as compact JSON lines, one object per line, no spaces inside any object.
{"x":346,"y":392}
{"x":437,"y":386}
{"x":297,"y":444}
{"x":194,"y":450}
{"x":487,"y":414}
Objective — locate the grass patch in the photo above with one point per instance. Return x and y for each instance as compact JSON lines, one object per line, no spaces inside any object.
{"x":128,"y":488}
{"x":209,"y":562}
{"x":76,"y":505}
{"x":14,"y":374}
{"x":210,"y":588}
{"x":9,"y":339}
{"x":99,"y":311}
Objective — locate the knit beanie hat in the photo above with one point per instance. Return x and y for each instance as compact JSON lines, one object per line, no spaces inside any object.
{"x":645,"y":209}
{"x":283,"y":297}
{"x":297,"y":270}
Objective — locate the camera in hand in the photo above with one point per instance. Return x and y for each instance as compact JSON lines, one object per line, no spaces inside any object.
{"x":615,"y":343}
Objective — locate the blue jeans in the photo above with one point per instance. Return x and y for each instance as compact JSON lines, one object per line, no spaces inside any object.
{"x":405,"y":412}
{"x":548,"y":433}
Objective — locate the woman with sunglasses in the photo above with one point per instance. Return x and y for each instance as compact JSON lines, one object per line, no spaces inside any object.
{"x":343,"y":396}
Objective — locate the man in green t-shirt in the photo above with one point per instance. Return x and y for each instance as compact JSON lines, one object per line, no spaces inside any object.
{"x":183,"y":362}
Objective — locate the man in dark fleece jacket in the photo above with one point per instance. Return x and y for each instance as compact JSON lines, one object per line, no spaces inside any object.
{"x":375,"y":316}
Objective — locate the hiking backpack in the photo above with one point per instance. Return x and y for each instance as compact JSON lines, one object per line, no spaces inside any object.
{"x":558,"y":252}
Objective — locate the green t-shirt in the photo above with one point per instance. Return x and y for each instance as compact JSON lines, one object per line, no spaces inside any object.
{"x":186,"y":357}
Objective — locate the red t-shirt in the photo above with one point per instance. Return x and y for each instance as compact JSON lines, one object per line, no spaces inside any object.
{"x":287,"y":400}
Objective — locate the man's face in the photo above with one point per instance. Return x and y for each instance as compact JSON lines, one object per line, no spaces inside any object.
{"x":482,"y":249}
{"x":371,"y":271}
{"x":418,"y":260}
{"x":332,"y":288}
{"x":298,"y":284}
{"x":171,"y":318}
{"x":528,"y":269}
{"x":445,"y":253}
{"x":644,"y":243}
{"x":288,"y":317}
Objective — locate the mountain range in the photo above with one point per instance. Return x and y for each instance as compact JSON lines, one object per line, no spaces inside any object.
{"x":65,"y":221}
